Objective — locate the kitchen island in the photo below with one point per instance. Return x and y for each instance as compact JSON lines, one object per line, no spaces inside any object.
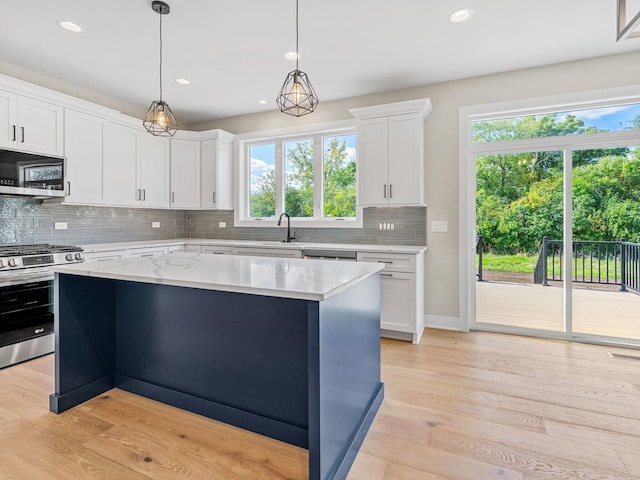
{"x":282,"y":347}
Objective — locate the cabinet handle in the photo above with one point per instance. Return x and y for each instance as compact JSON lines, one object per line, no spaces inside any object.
{"x":68,"y":191}
{"x":22,"y":133}
{"x":386,"y":262}
{"x":213,"y":195}
{"x":147,"y":255}
{"x":386,"y":274}
{"x":14,"y":133}
{"x":144,"y":195}
{"x":173,"y":197}
{"x":138,"y":196}
{"x":385,"y":190}
{"x":390,"y":191}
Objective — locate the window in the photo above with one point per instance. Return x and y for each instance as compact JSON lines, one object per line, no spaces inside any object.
{"x":570,"y":122}
{"x":310,"y":176}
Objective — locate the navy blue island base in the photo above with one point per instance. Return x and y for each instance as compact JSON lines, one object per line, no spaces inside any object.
{"x":301,"y":371}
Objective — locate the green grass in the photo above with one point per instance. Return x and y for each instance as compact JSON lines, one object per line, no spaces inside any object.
{"x":508,"y":263}
{"x":527,"y":264}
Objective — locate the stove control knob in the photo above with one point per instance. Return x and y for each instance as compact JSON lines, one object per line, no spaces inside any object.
{"x":68,"y":257}
{"x":2,"y":264}
{"x":13,"y":262}
{"x":79,"y":256}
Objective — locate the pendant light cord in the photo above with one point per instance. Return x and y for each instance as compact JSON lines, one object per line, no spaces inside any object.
{"x":160,"y":57}
{"x":297,"y":50}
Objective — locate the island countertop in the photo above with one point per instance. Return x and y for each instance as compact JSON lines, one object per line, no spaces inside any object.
{"x":275,"y":277}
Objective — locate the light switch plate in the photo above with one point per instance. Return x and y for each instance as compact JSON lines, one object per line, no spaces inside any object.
{"x":440,"y":226}
{"x":222,"y":224}
{"x":155,"y":224}
{"x":60,"y":225}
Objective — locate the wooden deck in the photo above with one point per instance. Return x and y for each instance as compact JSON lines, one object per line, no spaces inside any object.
{"x":597,"y":312}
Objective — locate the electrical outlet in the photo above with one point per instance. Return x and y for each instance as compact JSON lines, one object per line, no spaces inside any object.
{"x":222,"y":224}
{"x":441,"y":226}
{"x":60,"y":225}
{"x":155,"y":224}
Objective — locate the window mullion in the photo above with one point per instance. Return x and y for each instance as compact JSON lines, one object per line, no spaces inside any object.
{"x":318,"y":169}
{"x":280,"y":206}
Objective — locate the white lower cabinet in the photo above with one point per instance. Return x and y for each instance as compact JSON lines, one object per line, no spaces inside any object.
{"x":147,"y":251}
{"x":103,"y":256}
{"x":269,"y":252}
{"x":216,"y":250}
{"x":193,"y":248}
{"x":401,"y":293}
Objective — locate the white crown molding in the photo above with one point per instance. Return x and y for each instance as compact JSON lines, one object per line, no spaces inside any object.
{"x":421,"y":105}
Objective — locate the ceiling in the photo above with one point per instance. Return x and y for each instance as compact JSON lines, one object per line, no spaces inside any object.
{"x":232,"y":51}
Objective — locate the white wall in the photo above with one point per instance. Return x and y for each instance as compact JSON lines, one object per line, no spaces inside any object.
{"x":441,"y":140}
{"x":442,"y":145}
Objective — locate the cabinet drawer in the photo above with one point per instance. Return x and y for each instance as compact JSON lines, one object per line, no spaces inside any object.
{"x":147,"y":252}
{"x":193,"y":248}
{"x":393,"y":262}
{"x":270,"y":252}
{"x":216,"y":250}
{"x":103,"y":256}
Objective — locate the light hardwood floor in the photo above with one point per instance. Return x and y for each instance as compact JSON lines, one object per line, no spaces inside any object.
{"x":458,"y":406}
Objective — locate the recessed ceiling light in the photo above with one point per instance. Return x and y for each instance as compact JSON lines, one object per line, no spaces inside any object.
{"x":183,"y":81}
{"x":290,"y":55}
{"x":461,"y":15}
{"x":69,"y":26}
{"x":262,"y":102}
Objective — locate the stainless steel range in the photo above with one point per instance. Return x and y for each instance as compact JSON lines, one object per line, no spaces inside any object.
{"x":26,"y":298}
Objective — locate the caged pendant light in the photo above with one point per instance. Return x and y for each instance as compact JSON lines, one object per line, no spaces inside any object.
{"x":297,"y":96}
{"x":159,"y":120}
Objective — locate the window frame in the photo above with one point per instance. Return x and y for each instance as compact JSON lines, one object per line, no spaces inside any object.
{"x":242,"y":174}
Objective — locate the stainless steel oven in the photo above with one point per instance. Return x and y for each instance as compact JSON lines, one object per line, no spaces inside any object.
{"x":26,"y":299}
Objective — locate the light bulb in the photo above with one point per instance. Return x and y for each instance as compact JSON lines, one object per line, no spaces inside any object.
{"x":297,"y":96}
{"x":161,"y":119}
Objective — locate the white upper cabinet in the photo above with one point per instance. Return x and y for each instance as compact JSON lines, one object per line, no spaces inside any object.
{"x":83,"y":137}
{"x":119,"y":167}
{"x":153,"y":170}
{"x":136,"y":167}
{"x":216,"y":171}
{"x":391,"y":153}
{"x":185,"y":173}
{"x":30,"y":125}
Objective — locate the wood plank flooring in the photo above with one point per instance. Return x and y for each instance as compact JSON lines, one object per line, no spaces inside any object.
{"x":458,"y":406}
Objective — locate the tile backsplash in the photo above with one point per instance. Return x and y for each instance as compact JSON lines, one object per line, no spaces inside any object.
{"x":29,"y":221}
{"x":25,"y":221}
{"x":409,"y":228}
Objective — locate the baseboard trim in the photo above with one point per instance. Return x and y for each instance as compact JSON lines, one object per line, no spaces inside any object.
{"x":445,"y":323}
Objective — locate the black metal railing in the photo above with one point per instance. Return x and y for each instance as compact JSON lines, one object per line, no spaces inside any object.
{"x":479,"y":248}
{"x":597,"y":262}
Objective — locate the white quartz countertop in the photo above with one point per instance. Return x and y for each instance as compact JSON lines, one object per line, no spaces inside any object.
{"x":276,"y":277}
{"x":410,"y":249}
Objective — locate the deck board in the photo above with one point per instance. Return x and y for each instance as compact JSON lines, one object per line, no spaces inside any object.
{"x":610,"y":313}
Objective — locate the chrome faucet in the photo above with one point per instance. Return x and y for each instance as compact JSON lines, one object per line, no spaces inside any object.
{"x":289,"y":237}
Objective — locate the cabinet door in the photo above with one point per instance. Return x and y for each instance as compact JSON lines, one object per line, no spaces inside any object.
{"x":147,"y":252}
{"x":119,"y":165}
{"x":40,"y":127}
{"x":185,"y":173}
{"x":153,"y":170}
{"x":209,"y":173}
{"x":83,"y":149}
{"x":398,"y":301}
{"x":372,"y":161}
{"x":8,"y":120}
{"x":214,"y":250}
{"x":406,"y":160}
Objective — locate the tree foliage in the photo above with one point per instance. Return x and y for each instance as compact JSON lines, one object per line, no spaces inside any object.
{"x":519,"y":197}
{"x":338,"y":177}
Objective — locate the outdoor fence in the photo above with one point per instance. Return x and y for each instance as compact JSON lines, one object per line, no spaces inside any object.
{"x":593,"y":262}
{"x":596,"y":262}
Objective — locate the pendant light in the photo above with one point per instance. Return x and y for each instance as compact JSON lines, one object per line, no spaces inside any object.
{"x":159,"y":120}
{"x":297,"y":96}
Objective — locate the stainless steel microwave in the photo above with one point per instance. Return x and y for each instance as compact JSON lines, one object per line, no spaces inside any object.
{"x":26,"y":174}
